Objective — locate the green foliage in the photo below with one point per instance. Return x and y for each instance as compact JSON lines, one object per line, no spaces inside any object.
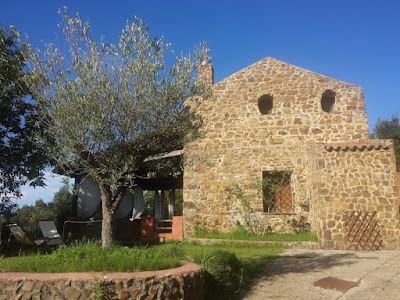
{"x":225,"y":274}
{"x":29,"y":215}
{"x":390,"y":129}
{"x":57,"y":210}
{"x":62,"y":205}
{"x":106,"y":108}
{"x":149,"y":203}
{"x":245,"y":209}
{"x":99,"y":290}
{"x":7,"y":209}
{"x":21,"y":161}
{"x":265,"y":188}
{"x":269,"y":185}
{"x":91,"y":257}
{"x":241,"y":233}
{"x":229,"y":267}
{"x":178,"y":209}
{"x":111,"y":106}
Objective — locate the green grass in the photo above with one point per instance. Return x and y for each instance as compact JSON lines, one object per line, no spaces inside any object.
{"x":91,"y":257}
{"x":229,"y":267}
{"x":242,"y":234}
{"x":247,"y":253}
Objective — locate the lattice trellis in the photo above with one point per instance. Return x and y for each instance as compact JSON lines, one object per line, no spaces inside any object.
{"x":277,"y":192}
{"x":363,"y":231}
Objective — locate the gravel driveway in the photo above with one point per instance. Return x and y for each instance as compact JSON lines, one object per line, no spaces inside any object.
{"x":374,"y":275}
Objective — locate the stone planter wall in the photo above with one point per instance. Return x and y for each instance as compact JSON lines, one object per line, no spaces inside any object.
{"x":185,"y":282}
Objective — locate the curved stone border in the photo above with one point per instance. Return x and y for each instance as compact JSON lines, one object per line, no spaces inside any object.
{"x":185,"y":282}
{"x":288,"y":245}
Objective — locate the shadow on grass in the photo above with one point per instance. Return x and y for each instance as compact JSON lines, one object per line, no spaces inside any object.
{"x":13,"y":248}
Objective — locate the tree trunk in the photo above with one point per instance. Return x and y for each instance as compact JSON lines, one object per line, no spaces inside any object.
{"x":107,"y":227}
{"x":109,"y":208}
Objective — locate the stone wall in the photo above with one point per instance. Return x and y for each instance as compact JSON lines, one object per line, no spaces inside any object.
{"x":240,"y":142}
{"x":185,"y":282}
{"x":357,"y":177}
{"x":222,"y":210}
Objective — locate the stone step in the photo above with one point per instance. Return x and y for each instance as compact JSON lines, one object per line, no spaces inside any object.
{"x":163,"y":228}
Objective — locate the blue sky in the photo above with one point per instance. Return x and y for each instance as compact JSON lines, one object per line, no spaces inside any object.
{"x":353,"y":41}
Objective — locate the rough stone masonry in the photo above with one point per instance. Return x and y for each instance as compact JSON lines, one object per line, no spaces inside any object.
{"x":275,"y":119}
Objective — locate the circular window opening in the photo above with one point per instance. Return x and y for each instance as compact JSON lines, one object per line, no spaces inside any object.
{"x":265,"y":104}
{"x":328,"y":100}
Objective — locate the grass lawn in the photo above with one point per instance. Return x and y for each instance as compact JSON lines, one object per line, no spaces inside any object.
{"x":242,"y":234}
{"x":91,"y":257}
{"x":229,"y":267}
{"x":250,"y":255}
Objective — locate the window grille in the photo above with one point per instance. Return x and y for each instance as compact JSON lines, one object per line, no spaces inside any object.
{"x":277,"y":192}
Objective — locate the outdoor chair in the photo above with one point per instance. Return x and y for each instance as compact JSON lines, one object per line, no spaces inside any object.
{"x":20,"y":235}
{"x":50,"y":233}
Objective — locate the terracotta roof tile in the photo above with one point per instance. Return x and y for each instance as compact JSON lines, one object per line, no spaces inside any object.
{"x":360,"y":145}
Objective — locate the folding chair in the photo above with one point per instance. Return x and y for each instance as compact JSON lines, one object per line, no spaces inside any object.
{"x":50,"y":233}
{"x":20,"y":235}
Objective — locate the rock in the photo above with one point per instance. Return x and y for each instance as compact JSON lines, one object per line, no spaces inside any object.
{"x":124,"y":295}
{"x":72,"y":293}
{"x":27,"y":287}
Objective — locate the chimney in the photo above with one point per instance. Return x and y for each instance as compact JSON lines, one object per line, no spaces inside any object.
{"x":205,"y":71}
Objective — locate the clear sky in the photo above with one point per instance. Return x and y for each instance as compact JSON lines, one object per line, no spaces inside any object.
{"x":353,"y":41}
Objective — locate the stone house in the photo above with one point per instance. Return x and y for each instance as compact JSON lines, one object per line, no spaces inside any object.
{"x":308,"y":136}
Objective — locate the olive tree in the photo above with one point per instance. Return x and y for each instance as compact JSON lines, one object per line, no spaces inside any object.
{"x":107,"y":107}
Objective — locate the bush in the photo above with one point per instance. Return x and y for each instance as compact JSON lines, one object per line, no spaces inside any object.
{"x":225,"y":274}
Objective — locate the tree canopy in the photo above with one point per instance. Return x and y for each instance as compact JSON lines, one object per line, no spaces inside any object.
{"x":390,"y":129}
{"x":106,"y":108}
{"x":21,"y":161}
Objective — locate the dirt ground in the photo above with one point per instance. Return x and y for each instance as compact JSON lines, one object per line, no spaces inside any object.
{"x":293,"y":275}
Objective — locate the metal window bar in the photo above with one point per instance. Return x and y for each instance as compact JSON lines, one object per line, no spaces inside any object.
{"x":277,"y":192}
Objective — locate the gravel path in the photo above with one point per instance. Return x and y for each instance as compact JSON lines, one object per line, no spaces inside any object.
{"x":293,"y":274}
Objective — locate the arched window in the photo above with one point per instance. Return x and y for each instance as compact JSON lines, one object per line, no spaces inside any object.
{"x":328,"y":100}
{"x":265,"y":104}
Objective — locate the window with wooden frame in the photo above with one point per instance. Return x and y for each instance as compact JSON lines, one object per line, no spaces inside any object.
{"x":277,"y":192}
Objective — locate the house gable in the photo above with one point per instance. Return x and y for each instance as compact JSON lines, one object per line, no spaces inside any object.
{"x":273,"y":118}
{"x":297,"y":109}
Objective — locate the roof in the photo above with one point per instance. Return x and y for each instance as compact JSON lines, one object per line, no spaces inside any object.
{"x":360,"y":145}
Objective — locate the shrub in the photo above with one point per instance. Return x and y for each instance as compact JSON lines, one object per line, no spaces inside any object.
{"x":225,"y":274}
